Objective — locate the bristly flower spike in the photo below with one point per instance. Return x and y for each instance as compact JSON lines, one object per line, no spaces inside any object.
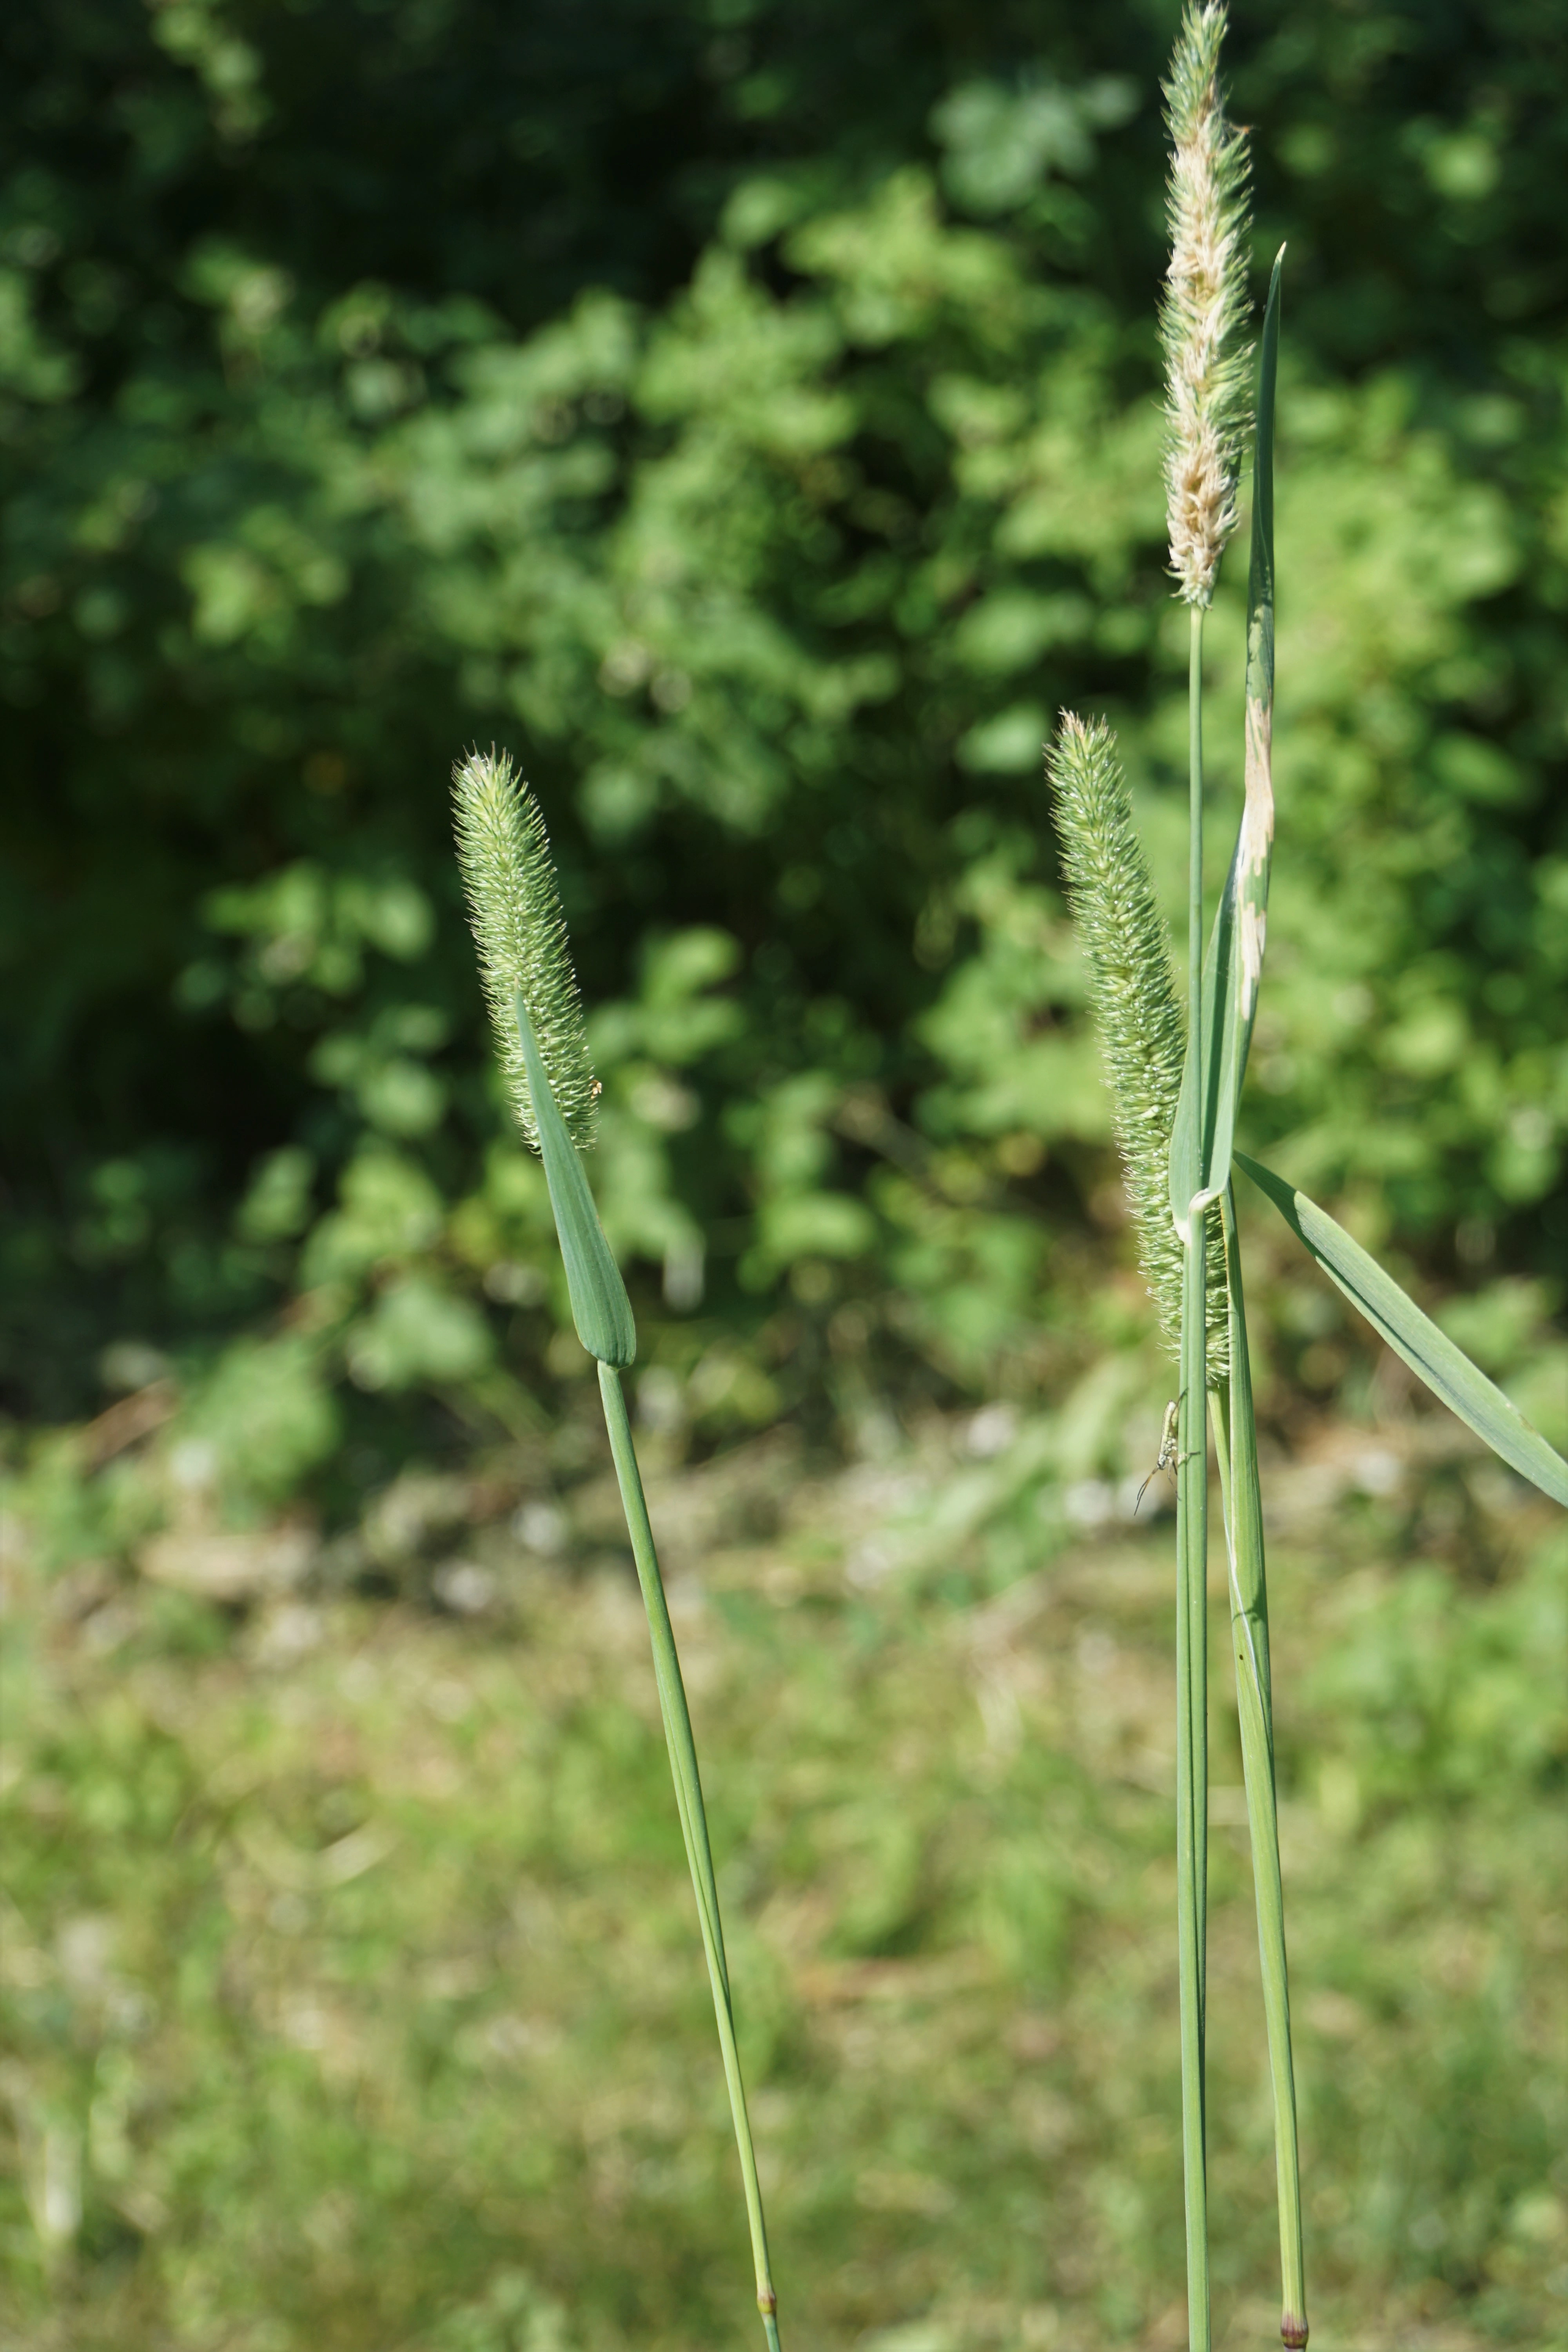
{"x":1207,"y":380}
{"x":514,"y":907}
{"x":1132,"y":995}
{"x":520,"y":932}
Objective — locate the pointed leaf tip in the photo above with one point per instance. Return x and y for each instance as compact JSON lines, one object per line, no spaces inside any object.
{"x":1429,"y":1352}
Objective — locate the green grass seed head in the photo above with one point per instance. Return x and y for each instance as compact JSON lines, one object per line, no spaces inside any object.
{"x":514,"y":908}
{"x":1133,"y":991}
{"x":1207,"y":384}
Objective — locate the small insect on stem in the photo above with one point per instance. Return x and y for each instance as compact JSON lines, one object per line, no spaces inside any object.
{"x":1167,"y":1458}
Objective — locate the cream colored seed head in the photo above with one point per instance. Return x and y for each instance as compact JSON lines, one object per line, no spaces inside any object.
{"x":514,"y":908}
{"x":1205,"y":307}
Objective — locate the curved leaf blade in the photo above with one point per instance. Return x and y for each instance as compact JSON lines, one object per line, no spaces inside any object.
{"x":600,"y":1307}
{"x":1429,"y":1352}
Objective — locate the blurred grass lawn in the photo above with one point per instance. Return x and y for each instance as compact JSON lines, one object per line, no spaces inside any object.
{"x":352,"y":1986}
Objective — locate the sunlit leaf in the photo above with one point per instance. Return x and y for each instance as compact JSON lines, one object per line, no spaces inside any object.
{"x":1429,"y":1352}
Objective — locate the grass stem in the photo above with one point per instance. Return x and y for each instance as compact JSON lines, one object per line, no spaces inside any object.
{"x":1195,"y":832}
{"x":1242,"y":1494}
{"x":1192,"y":1614}
{"x":693,"y":1814}
{"x":1192,"y":1784}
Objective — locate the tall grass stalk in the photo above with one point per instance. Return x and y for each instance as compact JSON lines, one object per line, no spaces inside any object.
{"x":1205,"y":396}
{"x":1191,"y":1594}
{"x":1191,"y":1127}
{"x":515,"y":910}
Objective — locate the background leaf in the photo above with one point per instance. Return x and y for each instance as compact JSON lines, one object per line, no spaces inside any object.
{"x":757,"y":434}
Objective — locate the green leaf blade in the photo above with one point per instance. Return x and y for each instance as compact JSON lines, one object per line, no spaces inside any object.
{"x":600,"y":1307}
{"x":1429,"y":1352}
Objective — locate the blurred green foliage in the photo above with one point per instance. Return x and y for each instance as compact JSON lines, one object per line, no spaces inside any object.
{"x":748,"y":418}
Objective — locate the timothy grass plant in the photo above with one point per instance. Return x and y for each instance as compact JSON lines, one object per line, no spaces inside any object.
{"x":1175,"y":1073}
{"x":525,"y":965}
{"x":1175,"y":1097}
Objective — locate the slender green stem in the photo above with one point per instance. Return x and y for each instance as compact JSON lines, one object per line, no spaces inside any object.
{"x":1198,"y":1586}
{"x":1255,"y":1707}
{"x":693,"y":1814}
{"x":1196,"y":833}
{"x":1191,"y":1781}
{"x":1192,"y":1618}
